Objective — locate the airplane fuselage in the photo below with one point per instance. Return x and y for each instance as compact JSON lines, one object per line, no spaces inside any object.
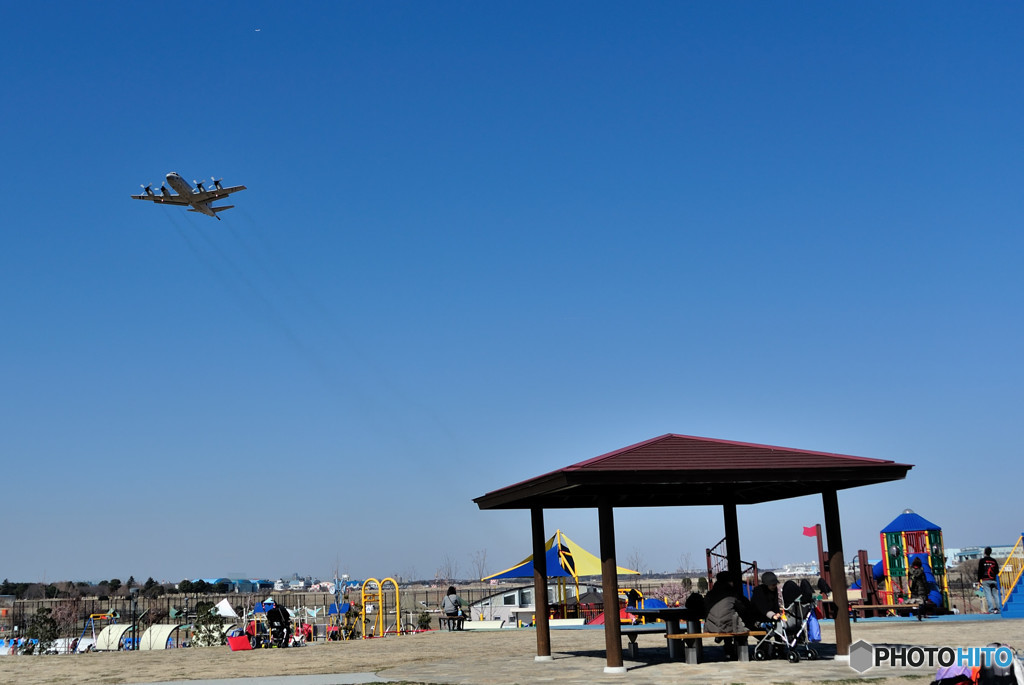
{"x":183,"y":188}
{"x":197,"y":199}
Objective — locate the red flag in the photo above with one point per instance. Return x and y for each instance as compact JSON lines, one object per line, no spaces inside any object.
{"x":811,"y":532}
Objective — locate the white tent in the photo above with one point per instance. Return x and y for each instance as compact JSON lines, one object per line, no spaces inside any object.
{"x":224,"y":609}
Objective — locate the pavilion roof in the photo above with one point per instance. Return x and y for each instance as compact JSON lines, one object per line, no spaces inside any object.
{"x":682,"y":470}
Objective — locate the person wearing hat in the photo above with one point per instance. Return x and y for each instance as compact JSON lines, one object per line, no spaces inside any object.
{"x":765,"y":598}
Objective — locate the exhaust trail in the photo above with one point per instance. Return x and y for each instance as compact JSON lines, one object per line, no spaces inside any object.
{"x":314,"y":306}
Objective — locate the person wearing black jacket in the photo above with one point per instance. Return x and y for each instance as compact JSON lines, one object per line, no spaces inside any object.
{"x":726,"y":610}
{"x":765,"y":598}
{"x":988,"y":579}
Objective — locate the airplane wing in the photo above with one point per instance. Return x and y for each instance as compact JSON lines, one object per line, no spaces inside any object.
{"x":216,"y":194}
{"x":162,"y":199}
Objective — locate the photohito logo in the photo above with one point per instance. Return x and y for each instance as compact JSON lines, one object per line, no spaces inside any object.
{"x":864,"y":655}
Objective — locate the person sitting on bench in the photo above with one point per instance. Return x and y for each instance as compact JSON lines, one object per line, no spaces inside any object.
{"x":451,"y":605}
{"x":765,"y":598}
{"x":727,"y":610}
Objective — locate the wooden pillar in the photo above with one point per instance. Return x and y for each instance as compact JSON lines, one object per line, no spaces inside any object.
{"x":540,"y":585}
{"x":732,"y":543}
{"x":837,"y":571}
{"x":610,"y":590}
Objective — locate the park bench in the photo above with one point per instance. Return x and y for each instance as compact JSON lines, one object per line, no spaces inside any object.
{"x":483,"y":625}
{"x":735,"y":643}
{"x":864,"y":608}
{"x":450,"y":622}
{"x":633,"y":631}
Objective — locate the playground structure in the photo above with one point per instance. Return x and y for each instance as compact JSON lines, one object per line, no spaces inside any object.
{"x":911,"y":536}
{"x":566,"y":561}
{"x":718,"y":562}
{"x":342,"y":620}
{"x":376,"y":609}
{"x":90,"y":625}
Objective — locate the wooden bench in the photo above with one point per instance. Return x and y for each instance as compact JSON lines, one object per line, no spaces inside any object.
{"x":735,"y":643}
{"x":919,"y":608}
{"x":633,"y":631}
{"x":450,"y":622}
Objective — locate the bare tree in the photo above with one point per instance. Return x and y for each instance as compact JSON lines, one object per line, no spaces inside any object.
{"x":65,"y":613}
{"x":479,"y":561}
{"x":449,"y":568}
{"x":636,"y":560}
{"x":685,"y":562}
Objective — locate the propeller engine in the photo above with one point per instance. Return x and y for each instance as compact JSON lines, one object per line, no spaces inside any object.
{"x":216,"y":183}
{"x":199,"y":186}
{"x":148,"y":189}
{"x":164,"y":191}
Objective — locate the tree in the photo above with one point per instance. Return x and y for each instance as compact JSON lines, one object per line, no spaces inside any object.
{"x":636,"y":560}
{"x":151,"y":588}
{"x":185,"y":586}
{"x":113,"y":585}
{"x":42,"y":627}
{"x":480,"y":563}
{"x":685,"y":562}
{"x":207,"y":627}
{"x":702,"y":584}
{"x":65,"y":615}
{"x":448,"y":569}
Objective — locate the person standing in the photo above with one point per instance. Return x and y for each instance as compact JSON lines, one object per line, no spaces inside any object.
{"x":988,"y":579}
{"x":918,"y":582}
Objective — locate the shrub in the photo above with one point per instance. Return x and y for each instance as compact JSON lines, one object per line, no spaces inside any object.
{"x":42,"y":627}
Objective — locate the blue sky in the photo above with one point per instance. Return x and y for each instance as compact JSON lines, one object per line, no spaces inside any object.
{"x":483,"y":242}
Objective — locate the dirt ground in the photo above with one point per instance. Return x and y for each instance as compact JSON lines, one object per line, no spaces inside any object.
{"x":503,"y":657}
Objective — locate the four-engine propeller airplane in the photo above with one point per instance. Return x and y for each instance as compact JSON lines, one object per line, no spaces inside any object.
{"x":199,"y":198}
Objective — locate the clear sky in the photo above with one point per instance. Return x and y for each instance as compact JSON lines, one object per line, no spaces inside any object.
{"x":483,"y":241}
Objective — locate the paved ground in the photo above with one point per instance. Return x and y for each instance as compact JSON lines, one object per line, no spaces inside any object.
{"x":497,"y":658}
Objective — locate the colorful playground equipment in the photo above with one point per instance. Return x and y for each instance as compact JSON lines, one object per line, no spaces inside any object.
{"x":566,"y":561}
{"x":911,"y":536}
{"x":376,"y":609}
{"x":342,"y":621}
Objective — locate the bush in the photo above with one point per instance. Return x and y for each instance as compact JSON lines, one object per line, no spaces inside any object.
{"x":42,"y":627}
{"x":206,"y":631}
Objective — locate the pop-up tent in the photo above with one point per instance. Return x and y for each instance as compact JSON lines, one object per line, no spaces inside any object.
{"x":565,"y":559}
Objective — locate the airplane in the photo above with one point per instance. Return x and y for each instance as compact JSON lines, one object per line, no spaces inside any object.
{"x":199,"y":198}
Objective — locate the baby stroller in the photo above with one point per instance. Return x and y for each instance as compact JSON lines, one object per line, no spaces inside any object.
{"x":280,"y":627}
{"x":787,"y":636}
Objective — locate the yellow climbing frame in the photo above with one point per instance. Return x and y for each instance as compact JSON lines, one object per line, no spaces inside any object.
{"x":374,"y":601}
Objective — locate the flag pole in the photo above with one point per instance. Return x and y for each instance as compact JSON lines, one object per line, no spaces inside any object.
{"x":822,"y":567}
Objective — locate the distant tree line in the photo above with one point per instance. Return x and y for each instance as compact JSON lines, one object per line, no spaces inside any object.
{"x":105,"y":589}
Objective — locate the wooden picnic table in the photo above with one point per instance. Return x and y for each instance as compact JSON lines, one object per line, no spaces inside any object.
{"x":672,"y":616}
